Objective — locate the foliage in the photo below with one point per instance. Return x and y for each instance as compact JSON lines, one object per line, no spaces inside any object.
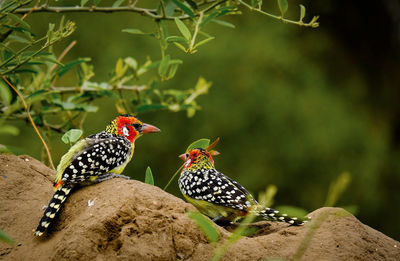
{"x":33,"y":68}
{"x":149,"y":177}
{"x":337,"y":188}
{"x":266,"y":198}
{"x":201,"y":143}
{"x":6,"y":238}
{"x":71,"y":136}
{"x":205,"y":225}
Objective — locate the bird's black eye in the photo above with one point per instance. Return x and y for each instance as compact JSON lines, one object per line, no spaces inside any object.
{"x":137,"y":126}
{"x":187,"y":155}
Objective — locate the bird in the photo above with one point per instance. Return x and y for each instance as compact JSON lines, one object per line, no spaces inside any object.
{"x":219,"y":197}
{"x":94,"y":159}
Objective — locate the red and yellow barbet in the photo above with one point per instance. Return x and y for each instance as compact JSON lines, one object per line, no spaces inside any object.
{"x":219,"y":197}
{"x":99,"y":157}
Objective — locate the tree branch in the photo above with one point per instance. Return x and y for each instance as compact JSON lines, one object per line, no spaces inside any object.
{"x":129,"y":8}
{"x":75,"y":9}
{"x":107,"y":88}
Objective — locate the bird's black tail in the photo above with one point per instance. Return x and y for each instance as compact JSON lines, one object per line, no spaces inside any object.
{"x":275,"y":215}
{"x":54,"y":206}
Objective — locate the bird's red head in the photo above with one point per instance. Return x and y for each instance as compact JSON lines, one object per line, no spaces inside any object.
{"x":197,"y":159}
{"x":130,"y":127}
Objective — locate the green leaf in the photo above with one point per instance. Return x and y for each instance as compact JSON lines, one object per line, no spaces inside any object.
{"x":149,"y":177}
{"x":9,"y":129}
{"x":162,"y":69}
{"x":172,"y":71}
{"x":336,"y":189}
{"x":18,"y":20}
{"x":302,"y":12}
{"x":87,"y":107}
{"x":223,"y":23}
{"x":131,"y":62}
{"x":201,"y":143}
{"x":180,"y":46}
{"x":183,"y":29}
{"x":71,"y":136}
{"x":184,"y":8}
{"x":150,"y":107}
{"x":204,"y":41}
{"x":83,"y":2}
{"x":211,"y":16}
{"x":61,"y":70}
{"x":283,"y":6}
{"x":171,"y":39}
{"x":206,"y":226}
{"x":6,"y":238}
{"x":266,"y":198}
{"x":136,"y":31}
{"x":256,"y":3}
{"x":117,"y":3}
{"x":218,"y":13}
{"x":19,"y":39}
{"x":192,"y":4}
{"x":170,"y":7}
{"x":179,"y":95}
{"x":51,"y":59}
{"x":96,"y":2}
{"x":5,"y":93}
{"x":25,"y":71}
{"x":37,"y":95}
{"x":120,"y":69}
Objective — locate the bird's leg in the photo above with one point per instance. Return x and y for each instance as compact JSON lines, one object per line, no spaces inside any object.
{"x":109,"y":175}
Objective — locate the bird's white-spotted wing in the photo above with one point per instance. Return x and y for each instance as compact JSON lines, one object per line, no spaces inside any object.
{"x":213,"y":186}
{"x":100,"y":154}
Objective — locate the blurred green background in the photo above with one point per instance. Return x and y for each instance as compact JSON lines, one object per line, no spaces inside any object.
{"x":293,"y":106}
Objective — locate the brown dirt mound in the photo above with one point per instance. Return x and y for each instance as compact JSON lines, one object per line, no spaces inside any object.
{"x":130,"y":220}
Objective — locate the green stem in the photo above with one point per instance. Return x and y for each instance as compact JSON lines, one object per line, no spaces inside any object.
{"x":21,"y":51}
{"x":311,"y":24}
{"x":196,"y":31}
{"x":176,"y":173}
{"x":163,"y":8}
{"x":129,"y":8}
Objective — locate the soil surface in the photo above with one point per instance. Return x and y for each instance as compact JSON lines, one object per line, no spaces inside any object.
{"x":130,"y":220}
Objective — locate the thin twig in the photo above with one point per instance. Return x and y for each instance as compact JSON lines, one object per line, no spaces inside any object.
{"x":105,"y":88}
{"x":312,"y":24}
{"x":129,"y":8}
{"x":93,"y":9}
{"x":196,"y":31}
{"x":31,"y":120}
{"x":176,"y":173}
{"x":33,"y":8}
{"x":62,"y":55}
{"x":69,"y":47}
